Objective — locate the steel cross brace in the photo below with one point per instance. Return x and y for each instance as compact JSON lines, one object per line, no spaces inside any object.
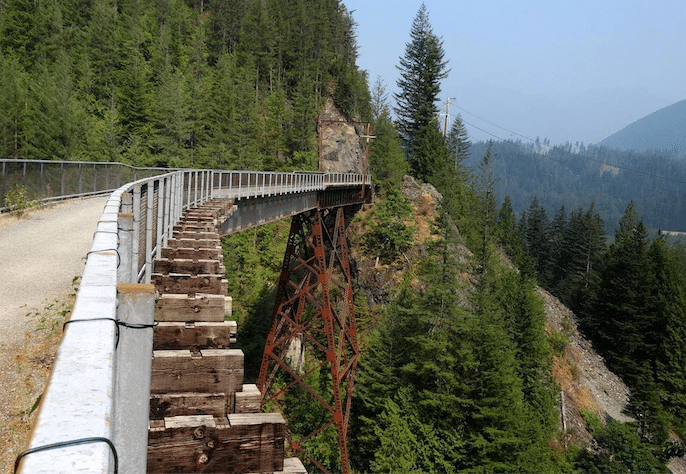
{"x":314,"y":312}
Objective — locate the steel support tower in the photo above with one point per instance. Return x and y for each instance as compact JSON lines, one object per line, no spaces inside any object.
{"x":313,"y":329}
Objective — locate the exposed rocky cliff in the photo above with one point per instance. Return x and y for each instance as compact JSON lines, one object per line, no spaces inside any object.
{"x":340,"y":142}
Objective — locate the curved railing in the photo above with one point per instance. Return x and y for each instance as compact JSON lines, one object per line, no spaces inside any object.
{"x":93,"y":417}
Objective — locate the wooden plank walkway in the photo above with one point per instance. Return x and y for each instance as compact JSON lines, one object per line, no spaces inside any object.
{"x":202,"y":417}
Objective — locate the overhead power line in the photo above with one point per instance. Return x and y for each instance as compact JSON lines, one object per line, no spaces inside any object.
{"x":583,"y":157}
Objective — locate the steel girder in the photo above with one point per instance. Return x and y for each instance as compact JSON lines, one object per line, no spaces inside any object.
{"x":313,"y":324}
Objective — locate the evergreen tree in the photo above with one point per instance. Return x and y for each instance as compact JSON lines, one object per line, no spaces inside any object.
{"x":583,"y":244}
{"x":56,"y":118}
{"x":430,"y":155}
{"x":13,"y":100}
{"x":537,"y":234}
{"x":386,"y":156}
{"x":556,"y":270}
{"x":421,"y":71}
{"x":624,"y":322}
{"x":510,"y":237}
{"x":397,"y":432}
{"x":459,"y":144}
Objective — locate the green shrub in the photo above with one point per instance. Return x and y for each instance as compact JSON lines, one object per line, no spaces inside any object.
{"x":389,"y":235}
{"x":16,"y":200}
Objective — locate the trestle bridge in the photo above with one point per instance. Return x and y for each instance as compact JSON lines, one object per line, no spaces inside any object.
{"x":146,"y":379}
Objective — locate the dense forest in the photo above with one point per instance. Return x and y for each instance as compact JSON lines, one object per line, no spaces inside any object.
{"x":174,"y":83}
{"x":455,"y":371}
{"x":577,"y":175}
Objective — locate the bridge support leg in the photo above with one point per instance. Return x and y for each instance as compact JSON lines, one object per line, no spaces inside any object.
{"x":131,"y":411}
{"x":314,"y":313}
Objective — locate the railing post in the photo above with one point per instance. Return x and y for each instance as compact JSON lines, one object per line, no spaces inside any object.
{"x":62,"y":179}
{"x":125,"y":218}
{"x":179,"y":201}
{"x":160,"y":217}
{"x":195,"y":191}
{"x":167,"y":214}
{"x":41,"y":190}
{"x":132,"y":385}
{"x":135,"y":243}
{"x":148,"y":230}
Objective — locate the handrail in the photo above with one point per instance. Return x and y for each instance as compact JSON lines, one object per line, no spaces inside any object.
{"x":92,"y":382}
{"x":49,"y":180}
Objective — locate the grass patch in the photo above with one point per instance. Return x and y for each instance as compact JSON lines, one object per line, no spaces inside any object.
{"x":32,"y":367}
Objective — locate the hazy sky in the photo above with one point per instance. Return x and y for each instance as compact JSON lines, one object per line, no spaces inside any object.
{"x":536,"y":48}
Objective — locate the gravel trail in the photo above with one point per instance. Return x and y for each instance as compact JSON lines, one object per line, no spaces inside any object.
{"x":40,"y":254}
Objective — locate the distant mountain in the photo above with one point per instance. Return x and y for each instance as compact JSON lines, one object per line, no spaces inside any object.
{"x":661,"y":130}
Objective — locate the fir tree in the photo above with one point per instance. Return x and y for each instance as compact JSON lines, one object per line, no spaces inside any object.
{"x":421,"y":71}
{"x":459,"y":144}
{"x":624,"y":321}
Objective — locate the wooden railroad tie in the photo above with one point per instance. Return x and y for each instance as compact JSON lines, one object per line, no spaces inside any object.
{"x":202,"y":417}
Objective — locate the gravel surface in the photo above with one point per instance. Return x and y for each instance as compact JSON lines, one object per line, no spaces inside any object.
{"x":40,"y":254}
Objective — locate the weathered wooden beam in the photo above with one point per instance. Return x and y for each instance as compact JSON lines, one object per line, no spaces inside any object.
{"x":210,"y":252}
{"x":189,"y":266}
{"x":209,"y":371}
{"x":193,"y":336}
{"x":231,"y":445}
{"x":200,"y":226}
{"x":190,"y":284}
{"x":196,"y":235}
{"x":191,"y":243}
{"x":197,"y":307}
{"x":163,"y":405}
{"x":249,"y":400}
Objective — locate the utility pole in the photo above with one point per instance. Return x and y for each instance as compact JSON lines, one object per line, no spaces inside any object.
{"x":447,"y":116}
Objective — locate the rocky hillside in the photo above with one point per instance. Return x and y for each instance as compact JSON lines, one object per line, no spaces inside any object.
{"x":586,"y":384}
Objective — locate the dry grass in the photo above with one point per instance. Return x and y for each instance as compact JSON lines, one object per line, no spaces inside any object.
{"x":32,"y":366}
{"x":566,"y":373}
{"x":423,"y":218}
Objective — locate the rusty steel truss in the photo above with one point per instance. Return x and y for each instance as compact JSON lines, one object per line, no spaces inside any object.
{"x":313,"y":325}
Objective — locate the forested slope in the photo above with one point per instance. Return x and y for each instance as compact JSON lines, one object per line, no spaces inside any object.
{"x":174,"y":83}
{"x":576,"y":176}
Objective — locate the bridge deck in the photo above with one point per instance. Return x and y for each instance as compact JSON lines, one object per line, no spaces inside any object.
{"x":88,"y":389}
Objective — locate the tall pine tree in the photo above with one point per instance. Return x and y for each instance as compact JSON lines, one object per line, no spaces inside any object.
{"x":421,"y":71}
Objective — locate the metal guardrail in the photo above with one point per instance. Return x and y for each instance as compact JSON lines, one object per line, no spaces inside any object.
{"x":47,"y":180}
{"x":94,"y":413}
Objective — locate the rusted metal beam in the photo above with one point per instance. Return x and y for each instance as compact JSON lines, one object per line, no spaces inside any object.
{"x":314,"y":312}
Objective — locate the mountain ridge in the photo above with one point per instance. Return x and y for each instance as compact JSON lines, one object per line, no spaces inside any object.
{"x":663,"y":130}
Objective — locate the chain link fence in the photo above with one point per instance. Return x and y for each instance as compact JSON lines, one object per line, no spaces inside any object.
{"x":28,"y":181}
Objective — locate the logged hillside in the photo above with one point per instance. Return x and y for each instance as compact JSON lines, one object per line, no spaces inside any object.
{"x":175,"y":83}
{"x":663,"y":130}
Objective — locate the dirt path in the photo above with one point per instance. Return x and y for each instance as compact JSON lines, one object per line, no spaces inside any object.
{"x":40,"y":254}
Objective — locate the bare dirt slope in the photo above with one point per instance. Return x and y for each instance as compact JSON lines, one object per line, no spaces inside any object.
{"x":40,"y":254}
{"x":585,"y":381}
